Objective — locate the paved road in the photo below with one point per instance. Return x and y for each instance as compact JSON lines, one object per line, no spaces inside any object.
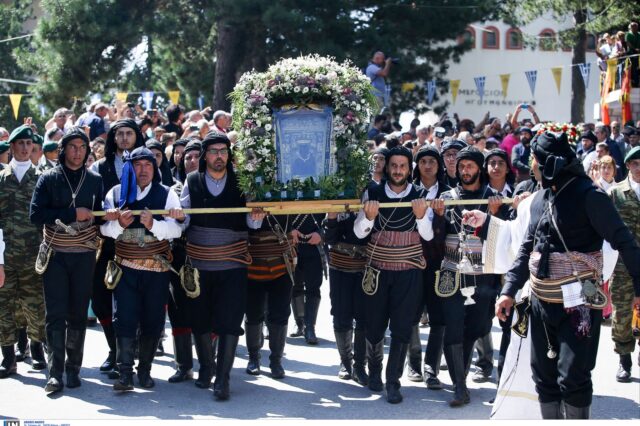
{"x":311,"y":390}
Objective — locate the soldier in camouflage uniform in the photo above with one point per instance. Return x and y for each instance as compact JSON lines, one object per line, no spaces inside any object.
{"x":626,"y":197}
{"x":22,"y":289}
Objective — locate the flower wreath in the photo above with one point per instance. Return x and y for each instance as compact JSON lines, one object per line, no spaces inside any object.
{"x":569,"y":129}
{"x":302,"y":81}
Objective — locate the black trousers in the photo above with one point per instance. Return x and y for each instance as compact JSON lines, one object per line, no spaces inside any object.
{"x":466,"y":323}
{"x":67,"y":290}
{"x":220,"y":307}
{"x":433,"y":302}
{"x":567,"y":377}
{"x":139,"y":300}
{"x":347,"y":299}
{"x":277,"y":293}
{"x":101,"y":297}
{"x":308,"y":273}
{"x":394,"y":305}
{"x":179,"y":304}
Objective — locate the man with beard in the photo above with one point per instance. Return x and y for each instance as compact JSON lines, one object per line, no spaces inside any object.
{"x":217,"y":248}
{"x":142,"y":254}
{"x":449,"y":152}
{"x":21,"y":294}
{"x":429,"y":174}
{"x":123,"y":136}
{"x":461,"y":274}
{"x":520,"y":154}
{"x":393,"y":276}
{"x":62,"y":203}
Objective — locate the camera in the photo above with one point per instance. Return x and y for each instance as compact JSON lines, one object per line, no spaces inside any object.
{"x":395,"y":61}
{"x":193,"y":127}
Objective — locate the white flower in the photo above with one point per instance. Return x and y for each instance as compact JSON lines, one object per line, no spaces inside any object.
{"x":258,"y":123}
{"x":358,"y":108}
{"x":332,"y":75}
{"x":328,"y":92}
{"x":296,"y":89}
{"x":305,"y":90}
{"x":267,"y":127}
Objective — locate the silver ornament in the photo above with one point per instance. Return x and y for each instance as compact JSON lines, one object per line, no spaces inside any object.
{"x":551,"y":354}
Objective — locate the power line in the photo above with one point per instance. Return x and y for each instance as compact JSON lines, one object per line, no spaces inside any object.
{"x":16,"y":38}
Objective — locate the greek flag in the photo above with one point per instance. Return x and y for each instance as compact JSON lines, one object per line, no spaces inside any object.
{"x":480,"y":86}
{"x":201,"y":102}
{"x":387,"y":94}
{"x":585,"y":70}
{"x":147,"y":98}
{"x":431,"y":91}
{"x":532,"y":76}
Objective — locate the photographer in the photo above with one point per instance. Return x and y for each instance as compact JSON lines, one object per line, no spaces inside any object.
{"x":377,"y":71}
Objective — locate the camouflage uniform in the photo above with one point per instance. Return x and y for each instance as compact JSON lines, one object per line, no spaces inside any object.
{"x":21,"y":298}
{"x":621,"y":283}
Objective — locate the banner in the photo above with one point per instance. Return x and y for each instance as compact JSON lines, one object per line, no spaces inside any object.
{"x":43,"y":110}
{"x":431,"y":91}
{"x":455,"y":86}
{"x":625,"y":92}
{"x":480,"y":86}
{"x":610,"y":79}
{"x":15,"y":104}
{"x":504,"y":80}
{"x":122,"y":96}
{"x":557,"y":76}
{"x":407,"y":87}
{"x":147,"y":99}
{"x":585,"y":70}
{"x":532,"y":76}
{"x":174,"y":96}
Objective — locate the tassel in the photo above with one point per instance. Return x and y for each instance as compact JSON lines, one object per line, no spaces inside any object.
{"x":581,"y":320}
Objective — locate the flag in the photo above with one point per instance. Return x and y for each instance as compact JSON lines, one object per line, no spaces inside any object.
{"x":585,"y":70}
{"x":504,"y":79}
{"x":147,"y":98}
{"x":455,"y":86}
{"x":201,"y":102}
{"x":122,"y":96}
{"x":557,"y":76}
{"x":387,"y":94}
{"x":407,"y":87}
{"x":480,"y":86}
{"x":431,"y":91}
{"x":15,"y":104}
{"x":96,"y":97}
{"x":532,"y":76}
{"x":625,"y":92}
{"x":174,"y":96}
{"x":609,"y":84}
{"x":43,"y":110}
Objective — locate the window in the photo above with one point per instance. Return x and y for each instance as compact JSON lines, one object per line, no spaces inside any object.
{"x":591,"y":43}
{"x":547,"y":40}
{"x":490,"y":38}
{"x":514,"y":39}
{"x":468,"y":36}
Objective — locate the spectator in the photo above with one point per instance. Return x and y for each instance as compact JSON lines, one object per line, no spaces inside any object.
{"x":95,"y":121}
{"x":59,"y":119}
{"x":604,"y":50}
{"x":632,"y":137}
{"x":233,"y":137}
{"x":90,"y":160}
{"x":510,"y":140}
{"x":4,"y":154}
{"x":620,"y":47}
{"x":377,"y":70}
{"x":380,"y":139}
{"x":523,"y":107}
{"x":97,"y":147}
{"x":618,"y":137}
{"x":4,"y":134}
{"x":632,"y":38}
{"x":438,"y":137}
{"x":603,"y":172}
{"x":175,"y":115}
{"x":378,"y":122}
{"x":422,"y":135}
{"x":158,"y":132}
{"x":221,"y":121}
{"x":602,"y":149}
{"x":603,"y":136}
{"x":520,"y":154}
{"x":588,"y":141}
{"x":413,"y":127}
{"x":168,"y":139}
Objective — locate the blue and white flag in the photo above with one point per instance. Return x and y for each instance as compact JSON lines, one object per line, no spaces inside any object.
{"x":96,"y":97}
{"x":532,"y":76}
{"x":201,"y":102}
{"x":431,"y":91}
{"x":585,"y":70}
{"x":387,"y":95}
{"x":480,"y":86}
{"x":147,"y":98}
{"x":43,"y":110}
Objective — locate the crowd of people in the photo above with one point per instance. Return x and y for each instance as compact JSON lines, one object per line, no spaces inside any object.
{"x":222,"y":275}
{"x":620,"y":46}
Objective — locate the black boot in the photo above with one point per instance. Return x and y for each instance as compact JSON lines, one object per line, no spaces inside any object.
{"x":75,"y":353}
{"x":227,"y":345}
{"x":414,"y":356}
{"x":432,"y":357}
{"x":277,"y":338}
{"x":297,"y":308}
{"x":253,"y":336}
{"x":576,"y":413}
{"x":183,"y":358}
{"x":22,"y":348}
{"x":56,"y":353}
{"x":395,"y":363}
{"x":38,"y":362}
{"x":214,"y":352}
{"x":375,"y":355}
{"x":359,"y":374}
{"x":344,"y":342}
{"x":484,"y":363}
{"x":204,"y":351}
{"x":311,"y":307}
{"x":551,"y":410}
{"x":454,"y":355}
{"x":9,"y":365}
{"x":624,"y":370}
{"x":147,"y":351}
{"x":126,"y":347}
{"x":110,"y":363}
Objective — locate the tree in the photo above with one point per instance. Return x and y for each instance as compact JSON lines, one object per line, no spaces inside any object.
{"x":594,"y":17}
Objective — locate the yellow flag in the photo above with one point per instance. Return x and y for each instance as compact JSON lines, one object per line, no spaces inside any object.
{"x":455,"y":86}
{"x":557,"y":76}
{"x":407,"y":87}
{"x":15,"y":104}
{"x":504,"y":79}
{"x":122,"y":96}
{"x":612,"y":69}
{"x":174,"y":96}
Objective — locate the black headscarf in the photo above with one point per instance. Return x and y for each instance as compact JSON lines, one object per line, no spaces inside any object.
{"x":453,"y":144}
{"x":213,"y":138}
{"x":179,"y":142}
{"x":128,"y":182}
{"x":474,"y":154}
{"x":398,"y":150}
{"x":73,"y":133}
{"x":110,"y":147}
{"x":432,"y":151}
{"x":556,"y":159}
{"x":497,"y":152}
{"x":165,"y":170}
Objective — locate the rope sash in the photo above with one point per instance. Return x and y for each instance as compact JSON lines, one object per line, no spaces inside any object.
{"x":86,"y":239}
{"x":143,"y":256}
{"x":396,"y":251}
{"x":236,"y":252}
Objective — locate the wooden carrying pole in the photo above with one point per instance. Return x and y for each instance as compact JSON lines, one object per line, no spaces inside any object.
{"x":307,"y":207}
